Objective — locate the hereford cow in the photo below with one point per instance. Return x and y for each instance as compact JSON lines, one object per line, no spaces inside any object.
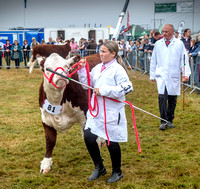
{"x":61,"y":106}
{"x":47,"y":50}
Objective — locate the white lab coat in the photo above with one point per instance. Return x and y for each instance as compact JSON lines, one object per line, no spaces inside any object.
{"x":112,"y":82}
{"x":166,"y":64}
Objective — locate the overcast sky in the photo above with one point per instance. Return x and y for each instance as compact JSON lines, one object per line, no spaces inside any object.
{"x":65,"y":13}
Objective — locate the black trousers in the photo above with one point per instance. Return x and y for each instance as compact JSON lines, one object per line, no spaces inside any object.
{"x":26,"y":59}
{"x":167,"y":105}
{"x":8,"y":58}
{"x":0,"y":59}
{"x":93,"y":149}
{"x":16,"y":63}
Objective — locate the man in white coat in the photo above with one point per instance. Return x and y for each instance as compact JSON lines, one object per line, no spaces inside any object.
{"x":168,"y":59}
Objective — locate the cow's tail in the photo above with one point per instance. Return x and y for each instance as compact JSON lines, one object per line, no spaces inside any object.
{"x":31,"y":64}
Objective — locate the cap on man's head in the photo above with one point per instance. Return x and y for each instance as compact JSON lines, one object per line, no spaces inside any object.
{"x":33,"y":38}
{"x":72,"y":38}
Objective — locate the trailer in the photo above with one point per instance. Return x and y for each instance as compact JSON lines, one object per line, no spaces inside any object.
{"x":21,"y":35}
{"x":78,"y":33}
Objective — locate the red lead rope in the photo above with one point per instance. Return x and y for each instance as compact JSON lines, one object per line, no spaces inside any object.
{"x":51,"y":78}
{"x":104,"y":105}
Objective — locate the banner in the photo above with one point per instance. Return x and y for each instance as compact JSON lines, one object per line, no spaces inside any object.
{"x":185,"y":7}
{"x":179,"y":7}
{"x":165,"y":7}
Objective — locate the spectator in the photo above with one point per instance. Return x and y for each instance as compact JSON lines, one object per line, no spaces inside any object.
{"x":113,"y":39}
{"x":157,"y":36}
{"x":74,"y":48}
{"x":26,"y":51}
{"x":176,"y":35}
{"x":1,"y":52}
{"x":132,"y":53}
{"x":50,"y":42}
{"x":92,"y":47}
{"x":58,"y":41}
{"x":17,"y":53}
{"x":98,"y":49}
{"x":166,"y":63}
{"x":194,"y":54}
{"x":128,"y":45}
{"x":34,"y":43}
{"x":113,"y":82}
{"x":196,"y":49}
{"x":141,"y":54}
{"x":192,"y":46}
{"x":43,"y":42}
{"x":122,"y":49}
{"x":83,"y":46}
{"x":138,"y":43}
{"x":186,"y":38}
{"x":151,"y":37}
{"x":7,"y":53}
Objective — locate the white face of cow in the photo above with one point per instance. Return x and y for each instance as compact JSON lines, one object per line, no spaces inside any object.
{"x":53,"y":62}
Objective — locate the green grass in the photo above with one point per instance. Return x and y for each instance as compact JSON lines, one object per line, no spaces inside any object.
{"x":169,"y":159}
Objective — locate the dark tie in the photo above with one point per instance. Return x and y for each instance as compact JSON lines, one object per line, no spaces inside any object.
{"x":167,"y":42}
{"x":103,"y":68}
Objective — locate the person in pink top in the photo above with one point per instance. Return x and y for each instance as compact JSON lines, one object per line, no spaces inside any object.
{"x":74,"y":48}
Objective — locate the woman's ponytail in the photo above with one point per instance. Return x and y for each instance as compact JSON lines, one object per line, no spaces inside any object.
{"x":120,"y":61}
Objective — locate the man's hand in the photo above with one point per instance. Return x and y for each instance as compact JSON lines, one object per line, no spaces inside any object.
{"x":185,"y":79}
{"x":153,"y":80}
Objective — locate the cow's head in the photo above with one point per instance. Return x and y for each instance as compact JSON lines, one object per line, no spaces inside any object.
{"x":56,"y":63}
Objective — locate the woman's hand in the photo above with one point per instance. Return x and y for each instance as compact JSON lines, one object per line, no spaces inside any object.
{"x":96,"y":90}
{"x":82,"y":62}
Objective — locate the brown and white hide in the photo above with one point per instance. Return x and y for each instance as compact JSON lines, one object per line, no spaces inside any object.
{"x":73,"y":99}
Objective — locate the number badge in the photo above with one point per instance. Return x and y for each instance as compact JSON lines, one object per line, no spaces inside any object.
{"x":52,"y":109}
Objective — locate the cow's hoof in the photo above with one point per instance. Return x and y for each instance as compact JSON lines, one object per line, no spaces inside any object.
{"x":42,"y":171}
{"x":45,"y":166}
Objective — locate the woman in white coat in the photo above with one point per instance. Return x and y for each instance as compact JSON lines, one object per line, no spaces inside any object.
{"x":167,"y":62}
{"x":109,"y":79}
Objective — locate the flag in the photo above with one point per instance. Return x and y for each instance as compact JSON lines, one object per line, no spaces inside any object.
{"x":160,"y":28}
{"x":133,"y":31}
{"x":180,"y":28}
{"x":25,"y":2}
{"x":123,"y":27}
{"x":128,"y":26}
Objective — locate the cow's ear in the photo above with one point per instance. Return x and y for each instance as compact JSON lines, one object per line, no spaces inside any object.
{"x":42,"y":64}
{"x":77,"y":58}
{"x":67,"y":42}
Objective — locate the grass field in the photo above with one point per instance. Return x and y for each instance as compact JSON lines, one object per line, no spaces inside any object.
{"x":169,"y":159}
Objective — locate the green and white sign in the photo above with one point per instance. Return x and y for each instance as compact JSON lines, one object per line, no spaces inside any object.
{"x":165,"y":7}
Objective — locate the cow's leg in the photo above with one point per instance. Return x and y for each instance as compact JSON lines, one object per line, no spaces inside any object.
{"x":50,"y":135}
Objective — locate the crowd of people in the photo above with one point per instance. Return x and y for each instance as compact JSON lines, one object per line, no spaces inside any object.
{"x":137,"y":52}
{"x":18,"y":53}
{"x":140,"y":50}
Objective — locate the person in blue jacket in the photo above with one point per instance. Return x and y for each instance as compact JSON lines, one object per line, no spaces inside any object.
{"x":17,"y":53}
